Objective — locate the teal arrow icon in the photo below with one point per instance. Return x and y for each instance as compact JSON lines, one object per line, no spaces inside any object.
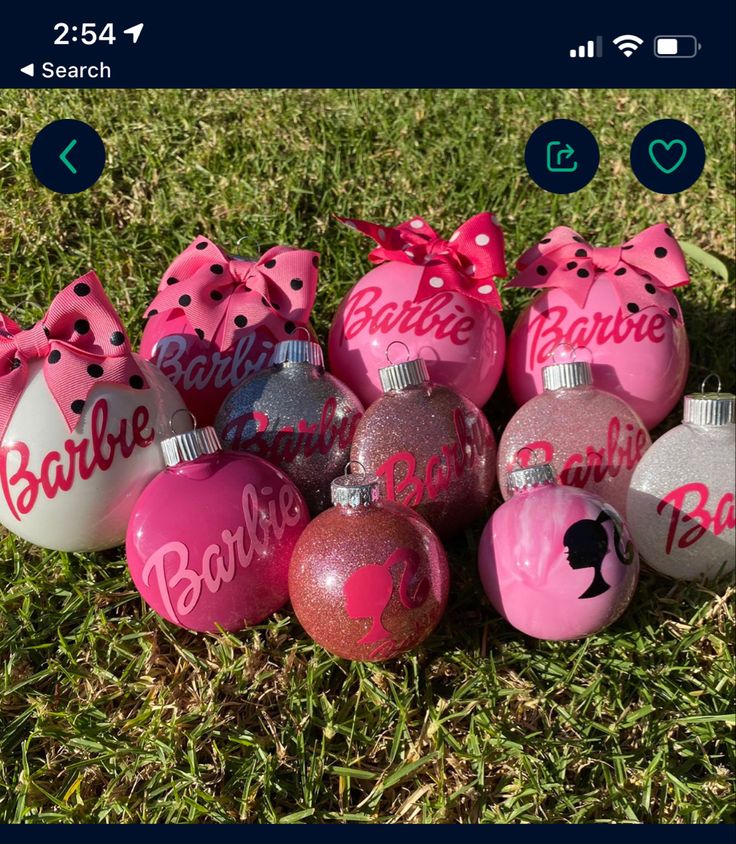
{"x":567,"y":152}
{"x":63,"y":156}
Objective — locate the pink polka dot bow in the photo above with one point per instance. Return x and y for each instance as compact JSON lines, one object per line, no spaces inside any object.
{"x":643,"y":269}
{"x":81,"y":342}
{"x":466,"y":263}
{"x":220,"y":293}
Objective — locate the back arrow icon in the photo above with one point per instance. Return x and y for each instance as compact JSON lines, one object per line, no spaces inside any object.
{"x":63,"y":156}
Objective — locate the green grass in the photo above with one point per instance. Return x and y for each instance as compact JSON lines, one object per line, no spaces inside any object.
{"x":109,"y":714}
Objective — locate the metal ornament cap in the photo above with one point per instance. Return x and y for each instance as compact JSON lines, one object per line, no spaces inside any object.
{"x":530,"y":477}
{"x":709,"y":409}
{"x":355,"y":490}
{"x":298,"y":351}
{"x":575,"y":373}
{"x":399,"y":376}
{"x":182,"y":448}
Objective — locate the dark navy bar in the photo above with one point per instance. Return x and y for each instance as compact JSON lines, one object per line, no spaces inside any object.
{"x":377,"y":45}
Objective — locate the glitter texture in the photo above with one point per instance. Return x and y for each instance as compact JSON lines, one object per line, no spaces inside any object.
{"x":593,"y":440}
{"x":368,"y":582}
{"x":557,"y":563}
{"x":298,"y":417}
{"x":432,"y":450}
{"x":681,"y":502}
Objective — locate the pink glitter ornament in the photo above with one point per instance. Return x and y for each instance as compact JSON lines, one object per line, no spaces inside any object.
{"x":682,"y":502}
{"x":217,"y":317}
{"x":436,"y":296}
{"x":617,"y":302}
{"x":592,"y":439}
{"x":368,"y":579}
{"x":431,"y":448}
{"x":556,"y":562}
{"x":210,"y":538}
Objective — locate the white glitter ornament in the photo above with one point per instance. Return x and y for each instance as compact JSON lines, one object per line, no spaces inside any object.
{"x":681,"y":501}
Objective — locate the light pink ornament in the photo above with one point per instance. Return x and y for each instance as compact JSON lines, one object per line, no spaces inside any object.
{"x":617,"y":302}
{"x":682,"y":499}
{"x":592,"y":439}
{"x":436,"y":296}
{"x":216,"y":317}
{"x":210,"y":538}
{"x":556,"y":562}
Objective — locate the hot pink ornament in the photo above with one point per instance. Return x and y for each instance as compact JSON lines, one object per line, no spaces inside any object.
{"x":592,"y":439}
{"x":431,"y":448}
{"x":617,"y":302}
{"x":436,"y":296}
{"x":556,"y":562}
{"x":210,"y":538}
{"x":368,"y":579}
{"x":217,"y":317}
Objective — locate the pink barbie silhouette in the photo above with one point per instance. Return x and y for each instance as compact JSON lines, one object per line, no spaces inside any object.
{"x":368,"y":591}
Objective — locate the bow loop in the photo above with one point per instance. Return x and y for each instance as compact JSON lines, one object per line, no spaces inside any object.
{"x":220,"y":294}
{"x":81,"y":342}
{"x":465,"y":264}
{"x":642,"y":270}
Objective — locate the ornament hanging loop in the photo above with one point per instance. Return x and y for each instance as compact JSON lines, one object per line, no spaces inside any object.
{"x":532,"y":461}
{"x":397,"y":343}
{"x":707,"y":378}
{"x":350,"y":463}
{"x":553,"y":354}
{"x":305,"y":330}
{"x":578,"y":349}
{"x":173,"y":416}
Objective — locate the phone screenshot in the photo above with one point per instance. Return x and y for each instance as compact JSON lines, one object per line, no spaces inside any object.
{"x":367,"y":414}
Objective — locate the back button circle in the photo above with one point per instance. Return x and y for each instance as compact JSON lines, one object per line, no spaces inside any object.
{"x":67,"y":156}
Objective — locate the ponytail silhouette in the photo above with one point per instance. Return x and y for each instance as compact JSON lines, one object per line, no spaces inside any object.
{"x":369,"y":589}
{"x":587,"y":545}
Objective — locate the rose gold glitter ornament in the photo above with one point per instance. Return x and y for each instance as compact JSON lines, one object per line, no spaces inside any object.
{"x":431,"y":448}
{"x":368,"y":579}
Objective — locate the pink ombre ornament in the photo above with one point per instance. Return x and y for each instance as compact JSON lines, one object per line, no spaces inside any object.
{"x":556,"y":562}
{"x":592,"y":439}
{"x":682,"y":498}
{"x":210,"y":538}
{"x":618,"y":303}
{"x":436,"y":296}
{"x":217,"y":317}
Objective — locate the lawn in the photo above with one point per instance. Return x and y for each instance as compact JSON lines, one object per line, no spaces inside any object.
{"x":109,"y":714}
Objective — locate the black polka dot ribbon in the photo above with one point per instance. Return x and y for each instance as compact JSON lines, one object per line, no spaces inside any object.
{"x":467,"y":263}
{"x":221,"y":295}
{"x":643,"y":270}
{"x":81,"y":342}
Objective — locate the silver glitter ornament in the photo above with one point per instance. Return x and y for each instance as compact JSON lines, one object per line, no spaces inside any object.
{"x":296,"y":416}
{"x":681,"y":500}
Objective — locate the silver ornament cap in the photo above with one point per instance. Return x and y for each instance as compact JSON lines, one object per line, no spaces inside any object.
{"x":574,"y":373}
{"x":359,"y":490}
{"x":530,"y":477}
{"x":182,"y":448}
{"x":709,"y":409}
{"x":399,"y":376}
{"x":298,"y":351}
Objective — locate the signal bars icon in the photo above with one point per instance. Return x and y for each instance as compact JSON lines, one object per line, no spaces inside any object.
{"x":589,"y":50}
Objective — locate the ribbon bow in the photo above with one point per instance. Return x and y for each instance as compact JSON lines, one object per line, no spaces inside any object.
{"x":643,"y":270}
{"x":218,"y":292}
{"x":82,"y":343}
{"x":466,"y":263}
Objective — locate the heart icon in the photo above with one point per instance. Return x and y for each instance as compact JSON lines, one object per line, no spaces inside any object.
{"x":677,"y":142}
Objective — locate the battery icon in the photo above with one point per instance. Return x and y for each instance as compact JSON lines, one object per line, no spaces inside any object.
{"x":676,"y":46}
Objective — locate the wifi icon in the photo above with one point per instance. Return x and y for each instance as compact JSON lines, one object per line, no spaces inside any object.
{"x":628,"y":44}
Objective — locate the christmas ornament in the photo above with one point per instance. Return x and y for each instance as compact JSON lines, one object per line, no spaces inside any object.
{"x":555,"y":561}
{"x":295,"y":415}
{"x":681,"y":501}
{"x":368,"y":579}
{"x":618,"y":303}
{"x":431,"y":448}
{"x":211,"y":536}
{"x":592,"y":439}
{"x":79,"y":419}
{"x":216,"y":317}
{"x":436,"y":296}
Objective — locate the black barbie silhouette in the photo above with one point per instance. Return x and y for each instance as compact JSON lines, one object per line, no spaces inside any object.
{"x":587,"y":545}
